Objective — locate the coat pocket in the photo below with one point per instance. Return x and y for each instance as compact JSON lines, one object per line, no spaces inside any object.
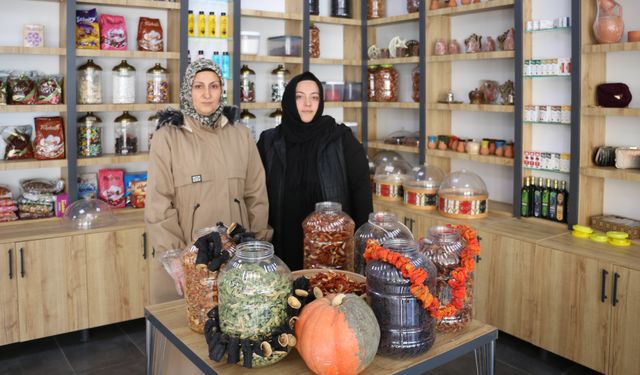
{"x":236,"y":183}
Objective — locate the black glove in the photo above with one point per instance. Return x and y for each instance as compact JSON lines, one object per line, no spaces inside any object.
{"x":247,"y":353}
{"x":233,"y":352}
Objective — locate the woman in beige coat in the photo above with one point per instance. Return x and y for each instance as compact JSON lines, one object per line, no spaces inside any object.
{"x":202,"y":169}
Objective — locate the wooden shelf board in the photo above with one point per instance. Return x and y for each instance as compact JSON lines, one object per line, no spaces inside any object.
{"x":471,"y":8}
{"x":395,"y":60}
{"x":124,"y":107}
{"x":548,"y":76}
{"x":473,"y":56}
{"x":548,"y":30}
{"x":614,"y":47}
{"x":380,"y":145}
{"x":135,"y":3}
{"x":396,"y":105}
{"x":612,"y":172}
{"x":545,"y":170}
{"x":129,"y":54}
{"x":487,"y":159}
{"x":472,"y":107}
{"x":6,"y":165}
{"x":336,"y":20}
{"x":11,"y":50}
{"x":347,"y":62}
{"x":271,"y":15}
{"x":602,"y":111}
{"x":343,"y":104}
{"x":114,"y":159}
{"x":545,"y":123}
{"x":540,"y":221}
{"x":260,"y":105}
{"x":33,"y":108}
{"x":272,"y":59}
{"x":410,"y":17}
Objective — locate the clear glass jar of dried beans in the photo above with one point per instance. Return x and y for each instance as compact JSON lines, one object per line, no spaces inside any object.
{"x":328,"y":238}
{"x":386,"y":84}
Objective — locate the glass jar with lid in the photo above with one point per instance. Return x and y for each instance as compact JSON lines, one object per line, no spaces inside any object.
{"x":314,"y":7}
{"x":413,"y":6}
{"x":248,"y":119}
{"x":375,"y":9}
{"x":407,"y":329}
{"x":341,"y":8}
{"x":157,"y":84}
{"x":275,"y":118}
{"x":381,"y":226}
{"x":389,"y":177}
{"x":463,"y":195}
{"x":252,"y":301}
{"x":89,"y":136}
{"x":386,"y":84}
{"x":371,"y":78}
{"x":415,"y":84}
{"x":150,"y":128}
{"x":126,"y":134}
{"x":279,"y":79}
{"x":328,"y":238}
{"x":421,"y":187}
{"x":89,"y":83}
{"x":314,"y":41}
{"x":124,"y":83}
{"x":247,"y":85}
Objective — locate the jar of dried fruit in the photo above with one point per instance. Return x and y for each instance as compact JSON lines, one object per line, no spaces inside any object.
{"x":314,"y":41}
{"x":371,"y":78}
{"x":157,"y":85}
{"x":247,"y":85}
{"x":386,"y":84}
{"x":375,"y":9}
{"x":415,"y":84}
{"x":328,"y":238}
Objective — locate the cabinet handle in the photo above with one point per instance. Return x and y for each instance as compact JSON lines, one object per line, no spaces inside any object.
{"x":10,"y":264}
{"x":410,"y":224}
{"x":21,"y":262}
{"x":479,"y":238}
{"x":153,"y":252}
{"x":478,"y":259}
{"x":614,"y":299}
{"x":144,"y":245}
{"x":603,"y":296}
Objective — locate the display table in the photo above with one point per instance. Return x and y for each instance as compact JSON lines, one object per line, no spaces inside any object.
{"x":169,"y":341}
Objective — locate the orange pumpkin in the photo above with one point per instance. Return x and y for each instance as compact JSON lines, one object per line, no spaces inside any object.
{"x":337,"y":334}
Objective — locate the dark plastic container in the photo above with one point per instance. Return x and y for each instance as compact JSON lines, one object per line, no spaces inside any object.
{"x":341,"y":8}
{"x":314,"y":7}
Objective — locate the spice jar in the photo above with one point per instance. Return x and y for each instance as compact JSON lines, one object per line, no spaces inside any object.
{"x":248,"y":119}
{"x":157,"y":85}
{"x":89,"y":83}
{"x":386,"y":84}
{"x":445,"y":248}
{"x":252,"y":301}
{"x":413,"y":6}
{"x":371,"y":78}
{"x":279,"y":79}
{"x":89,"y":136}
{"x":328,"y":238}
{"x":247,"y":85}
{"x":150,"y":128}
{"x":381,"y":226}
{"x":126,"y":134}
{"x":375,"y":9}
{"x":314,"y":41}
{"x":341,"y":8}
{"x":406,"y":327}
{"x":124,"y":83}
{"x":415,"y":84}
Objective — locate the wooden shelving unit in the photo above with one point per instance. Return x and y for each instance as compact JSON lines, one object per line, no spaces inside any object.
{"x":487,"y":159}
{"x":336,"y":20}
{"x":614,"y":47}
{"x":394,"y":105}
{"x":152,"y":4}
{"x":7,"y":165}
{"x":125,"y":107}
{"x":114,"y":159}
{"x":343,"y":62}
{"x":380,"y":145}
{"x":395,"y":60}
{"x":33,"y":108}
{"x":473,"y":56}
{"x":410,"y":17}
{"x":48,"y":51}
{"x":471,"y":8}
{"x":260,"y":105}
{"x":612,"y":172}
{"x":601,"y":111}
{"x":471,"y":107}
{"x":342,"y":104}
{"x":271,"y":15}
{"x":272,"y":59}
{"x":128,"y":54}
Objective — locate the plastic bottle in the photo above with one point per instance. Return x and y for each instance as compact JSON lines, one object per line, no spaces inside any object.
{"x":191,"y":24}
{"x":217,"y":59}
{"x":226,"y":65}
{"x":202,"y":25}
{"x":223,"y":25}
{"x":200,"y":54}
{"x":211,"y":25}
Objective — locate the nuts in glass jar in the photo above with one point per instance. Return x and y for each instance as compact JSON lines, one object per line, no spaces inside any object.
{"x":386,"y":83}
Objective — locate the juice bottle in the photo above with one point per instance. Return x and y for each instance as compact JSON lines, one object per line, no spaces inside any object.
{"x":211,"y":25}
{"x":223,"y":25}
{"x":191,"y":24}
{"x":202,"y":24}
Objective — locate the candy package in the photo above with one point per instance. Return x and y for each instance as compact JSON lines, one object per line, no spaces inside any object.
{"x":42,"y":186}
{"x":22,"y":88}
{"x":17,"y":142}
{"x":33,"y":36}
{"x":62,"y":201}
{"x":5,"y":192}
{"x":111,"y":187}
{"x":150,"y":35}
{"x":88,"y":186}
{"x":4,"y":87}
{"x":49,"y":89}
{"x":49,"y":142}
{"x":136,"y":189}
{"x":8,"y":216}
{"x":113,"y":33}
{"x":87,"y":29}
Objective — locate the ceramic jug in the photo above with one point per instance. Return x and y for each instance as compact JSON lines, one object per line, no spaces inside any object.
{"x":608,"y":26}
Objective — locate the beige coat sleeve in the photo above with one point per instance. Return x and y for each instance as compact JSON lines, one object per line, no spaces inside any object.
{"x":255,"y":195}
{"x":160,"y":213}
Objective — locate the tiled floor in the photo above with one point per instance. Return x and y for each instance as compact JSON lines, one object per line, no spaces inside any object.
{"x":120,"y":349}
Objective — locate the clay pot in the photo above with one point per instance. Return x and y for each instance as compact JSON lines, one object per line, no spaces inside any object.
{"x":454,"y":47}
{"x":492,"y":147}
{"x":453,"y":3}
{"x":499,"y":147}
{"x":435,"y":4}
{"x":484,"y":147}
{"x":461,"y":145}
{"x":472,"y":147}
{"x":453,"y":143}
{"x":476,"y":1}
{"x":476,"y":97}
{"x":465,"y":2}
{"x":508,"y":150}
{"x":632,"y":36}
{"x":440,"y":48}
{"x":489,"y":45}
{"x":431,"y":144}
{"x":608,"y":26}
{"x":442,"y":142}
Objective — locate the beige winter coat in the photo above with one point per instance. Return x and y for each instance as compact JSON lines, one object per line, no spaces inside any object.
{"x":198,"y":176}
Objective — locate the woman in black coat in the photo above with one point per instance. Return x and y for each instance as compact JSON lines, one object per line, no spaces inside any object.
{"x":310,"y":158}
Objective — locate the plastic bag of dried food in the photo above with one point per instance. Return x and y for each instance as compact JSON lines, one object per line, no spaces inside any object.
{"x":5,"y":192}
{"x":49,"y":89}
{"x":49,"y":142}
{"x":17,"y":140}
{"x":87,"y":29}
{"x":22,"y":88}
{"x":150,"y":35}
{"x":8,"y":216}
{"x":113,"y":32}
{"x":4,"y":87}
{"x":42,"y":186}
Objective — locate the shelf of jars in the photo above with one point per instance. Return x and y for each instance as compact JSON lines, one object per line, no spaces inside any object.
{"x":396,"y":105}
{"x":153,"y":4}
{"x":545,"y":123}
{"x":498,"y":211}
{"x":394,"y":61}
{"x":114,"y":159}
{"x":613,"y":47}
{"x":471,"y":107}
{"x":342,"y":104}
{"x":336,"y":21}
{"x":49,"y":51}
{"x":612,"y":172}
{"x":272,"y":15}
{"x":410,"y":17}
{"x":270,"y":105}
{"x":138,"y":107}
{"x":33,"y":108}
{"x":271,"y":59}
{"x":486,"y":6}
{"x":486,"y":159}
{"x":7,"y":165}
{"x":128,"y":54}
{"x":548,"y":30}
{"x":381,"y":145}
{"x":601,"y":111}
{"x":496,"y":55}
{"x":344,"y":62}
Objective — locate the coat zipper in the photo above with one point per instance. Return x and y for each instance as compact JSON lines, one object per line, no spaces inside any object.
{"x":240,"y":210}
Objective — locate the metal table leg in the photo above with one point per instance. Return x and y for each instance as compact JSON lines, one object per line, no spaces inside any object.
{"x":485,"y":359}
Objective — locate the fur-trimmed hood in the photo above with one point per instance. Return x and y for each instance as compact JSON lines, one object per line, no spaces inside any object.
{"x":174,"y":117}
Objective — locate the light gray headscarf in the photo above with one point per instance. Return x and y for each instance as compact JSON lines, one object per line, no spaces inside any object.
{"x":186,"y":101}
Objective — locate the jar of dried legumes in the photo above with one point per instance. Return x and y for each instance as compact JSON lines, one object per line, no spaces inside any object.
{"x":90,"y":83}
{"x":328,"y":238}
{"x":386,"y":81}
{"x":371,"y":78}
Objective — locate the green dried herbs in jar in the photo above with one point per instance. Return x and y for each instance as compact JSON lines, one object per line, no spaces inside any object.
{"x":252,"y":295}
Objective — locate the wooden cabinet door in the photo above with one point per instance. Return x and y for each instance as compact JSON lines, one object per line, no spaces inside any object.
{"x":117,"y":276}
{"x":161,"y":285}
{"x":9,"y":330}
{"x":52,"y":291}
{"x":625,"y":323}
{"x":502,"y":290}
{"x":570,"y":318}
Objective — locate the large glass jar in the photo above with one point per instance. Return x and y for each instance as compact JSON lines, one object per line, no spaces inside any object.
{"x":314,"y":41}
{"x":387,"y":84}
{"x":443,"y":246}
{"x":124,"y":83}
{"x":247,"y":85}
{"x":157,"y":85}
{"x":90,"y":83}
{"x":375,"y":9}
{"x":150,"y":128}
{"x":341,"y":8}
{"x":314,"y":7}
{"x":421,"y":187}
{"x":279,"y":79}
{"x":126,"y":134}
{"x":248,"y":119}
{"x":328,"y":238}
{"x":406,"y":328}
{"x":253,"y":291}
{"x":275,"y":117}
{"x":371,"y":78}
{"x":381,"y":226}
{"x":413,"y":6}
{"x":415,"y":84}
{"x":389,"y":177}
{"x":89,"y":136}
{"x":463,"y":195}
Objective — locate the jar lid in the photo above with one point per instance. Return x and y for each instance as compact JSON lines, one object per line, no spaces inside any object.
{"x":373,"y":66}
{"x":249,"y":33}
{"x":387,"y":65}
{"x":617,"y":235}
{"x":276,"y":113}
{"x":619,"y":243}
{"x":125,"y":117}
{"x":582,"y":229}
{"x":280,"y":70}
{"x":157,"y":69}
{"x":580,"y":234}
{"x":463,"y":182}
{"x":89,"y":118}
{"x":124,"y":67}
{"x":599,"y":237}
{"x":245,"y":114}
{"x":154,"y":117}
{"x":246,"y":70}
{"x":90,"y":65}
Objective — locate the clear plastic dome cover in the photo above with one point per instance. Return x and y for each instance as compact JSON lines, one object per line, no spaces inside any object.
{"x":88,"y":214}
{"x":390,"y":171}
{"x":425,"y":177}
{"x":463,"y":182}
{"x":386,"y":156}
